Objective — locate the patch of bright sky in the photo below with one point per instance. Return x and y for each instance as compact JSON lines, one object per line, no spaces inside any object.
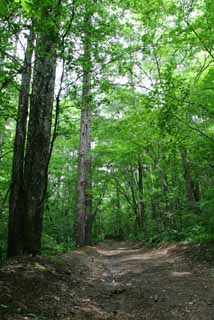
{"x":126,"y":18}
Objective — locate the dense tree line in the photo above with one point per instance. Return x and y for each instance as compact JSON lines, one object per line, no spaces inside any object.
{"x":110,"y":108}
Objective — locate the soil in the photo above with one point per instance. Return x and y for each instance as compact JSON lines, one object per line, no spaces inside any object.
{"x":112,"y":281}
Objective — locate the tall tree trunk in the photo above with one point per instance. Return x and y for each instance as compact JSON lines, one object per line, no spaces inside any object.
{"x":190,"y":187}
{"x":1,"y":140}
{"x":85,"y":216}
{"x":38,"y":140}
{"x":164,"y":179}
{"x":16,"y":200}
{"x":134,"y":203}
{"x":117,"y":225}
{"x":141,"y":205}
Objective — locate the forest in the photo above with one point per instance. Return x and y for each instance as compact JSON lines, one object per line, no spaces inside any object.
{"x":107,"y":123}
{"x":106,"y":151}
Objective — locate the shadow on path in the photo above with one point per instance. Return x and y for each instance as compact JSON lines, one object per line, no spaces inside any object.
{"x":109,"y":281}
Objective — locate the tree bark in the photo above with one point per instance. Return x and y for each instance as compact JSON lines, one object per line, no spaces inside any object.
{"x":119,"y":231}
{"x":85,"y":218}
{"x":38,"y":140}
{"x":1,"y":140}
{"x":190,"y":186}
{"x":141,"y":205}
{"x":134,"y":202}
{"x":16,"y":200}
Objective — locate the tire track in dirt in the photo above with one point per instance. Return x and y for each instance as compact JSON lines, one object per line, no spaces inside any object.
{"x":153,"y":284}
{"x":113,"y":281}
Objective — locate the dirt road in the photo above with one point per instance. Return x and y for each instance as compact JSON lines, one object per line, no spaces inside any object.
{"x":110,"y":281}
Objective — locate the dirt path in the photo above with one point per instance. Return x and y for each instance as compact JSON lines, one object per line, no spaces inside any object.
{"x":110,"y":281}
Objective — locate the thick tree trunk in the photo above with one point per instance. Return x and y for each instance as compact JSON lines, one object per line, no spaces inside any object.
{"x":84,"y":201}
{"x":16,"y":200}
{"x":38,"y":140}
{"x":85,"y":217}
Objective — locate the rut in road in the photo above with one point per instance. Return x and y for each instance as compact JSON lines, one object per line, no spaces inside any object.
{"x":112,"y":281}
{"x":136,"y":283}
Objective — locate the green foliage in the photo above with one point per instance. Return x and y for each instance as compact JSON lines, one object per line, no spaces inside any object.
{"x":26,"y":4}
{"x":152,"y":99}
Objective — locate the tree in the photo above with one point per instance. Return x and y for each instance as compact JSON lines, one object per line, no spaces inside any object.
{"x":17,"y":190}
{"x":27,"y":205}
{"x":84,"y":200}
{"x":133,"y":122}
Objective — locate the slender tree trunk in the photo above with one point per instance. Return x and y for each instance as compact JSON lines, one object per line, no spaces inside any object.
{"x":38,"y":140}
{"x":85,"y":217}
{"x":164,"y":179}
{"x":1,"y":140}
{"x":118,"y":229}
{"x":190,"y":187}
{"x":16,"y":200}
{"x":134,"y":202}
{"x":1,"y":153}
{"x":141,"y":205}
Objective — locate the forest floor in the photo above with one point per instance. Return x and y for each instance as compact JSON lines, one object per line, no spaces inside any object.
{"x":114,"y":280}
